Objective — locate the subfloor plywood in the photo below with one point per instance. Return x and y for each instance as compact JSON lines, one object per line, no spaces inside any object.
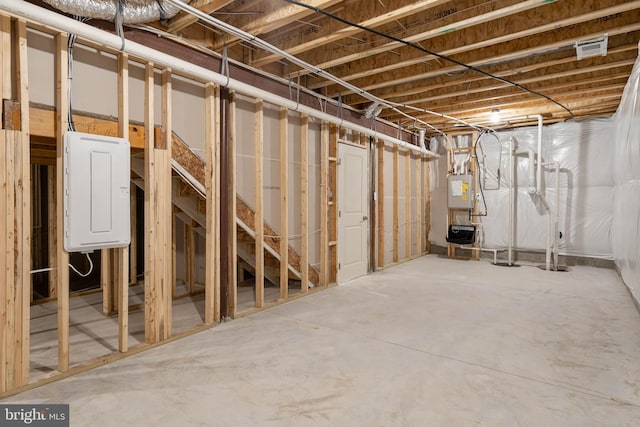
{"x":429,"y":342}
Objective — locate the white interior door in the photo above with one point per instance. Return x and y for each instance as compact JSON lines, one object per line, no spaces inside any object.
{"x":353,"y":211}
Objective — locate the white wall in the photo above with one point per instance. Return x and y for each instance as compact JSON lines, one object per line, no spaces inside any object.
{"x":626,"y":223}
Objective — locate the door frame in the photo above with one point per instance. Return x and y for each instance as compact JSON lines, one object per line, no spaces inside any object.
{"x":366,"y":209}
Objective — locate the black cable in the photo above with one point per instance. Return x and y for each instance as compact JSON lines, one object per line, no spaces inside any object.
{"x":422,"y":49}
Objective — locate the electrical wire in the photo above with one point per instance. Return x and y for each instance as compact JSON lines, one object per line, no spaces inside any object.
{"x":475,"y":153}
{"x":71,"y":41}
{"x":42,"y":270}
{"x":256,"y":41}
{"x":427,"y":51}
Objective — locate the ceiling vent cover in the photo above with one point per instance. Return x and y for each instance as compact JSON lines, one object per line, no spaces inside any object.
{"x":597,"y":47}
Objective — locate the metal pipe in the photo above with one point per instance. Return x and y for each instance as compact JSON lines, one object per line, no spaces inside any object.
{"x":58,"y":22}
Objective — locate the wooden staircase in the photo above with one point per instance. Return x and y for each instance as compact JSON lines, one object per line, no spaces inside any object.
{"x":188,"y":196}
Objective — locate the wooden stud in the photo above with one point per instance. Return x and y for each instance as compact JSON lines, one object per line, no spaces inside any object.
{"x":133,"y":247}
{"x":23,"y":265}
{"x":165,"y":210}
{"x":53,"y":225}
{"x":324,"y":205}
{"x":62,"y":256}
{"x":259,"y":215}
{"x":304,"y":202}
{"x":419,"y":214}
{"x":6,"y":243}
{"x":284,"y":208}
{"x":122,"y":254}
{"x":106,"y":281}
{"x":151,"y":327}
{"x":332,"y":188}
{"x":210,"y":184}
{"x":174,"y":283}
{"x":380,"y":203}
{"x":9,"y":273}
{"x":427,"y":207}
{"x":217,"y":313}
{"x":407,"y":204}
{"x":475,"y":255}
{"x":396,"y":201}
{"x":4,"y":258}
{"x":231,"y":191}
{"x":189,"y":257}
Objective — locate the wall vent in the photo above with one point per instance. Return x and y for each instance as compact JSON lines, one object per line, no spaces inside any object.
{"x":597,"y":47}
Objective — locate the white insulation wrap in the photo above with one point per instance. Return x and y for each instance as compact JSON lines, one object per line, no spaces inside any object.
{"x":585,"y":155}
{"x":133,"y":11}
{"x":626,"y":173}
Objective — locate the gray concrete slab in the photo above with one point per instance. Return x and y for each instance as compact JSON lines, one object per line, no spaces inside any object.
{"x":429,"y":342}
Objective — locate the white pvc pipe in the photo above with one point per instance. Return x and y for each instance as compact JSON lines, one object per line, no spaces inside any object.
{"x":58,"y":22}
{"x":556,"y":213}
{"x":511,"y":201}
{"x":532,"y":168}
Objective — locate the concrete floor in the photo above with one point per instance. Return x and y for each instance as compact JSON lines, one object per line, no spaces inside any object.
{"x":430,"y":342}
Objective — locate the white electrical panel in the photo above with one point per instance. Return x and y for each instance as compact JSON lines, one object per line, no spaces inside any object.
{"x":460,"y":192}
{"x":96,"y":192}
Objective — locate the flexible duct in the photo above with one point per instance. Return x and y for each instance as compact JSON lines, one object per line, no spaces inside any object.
{"x":133,"y":11}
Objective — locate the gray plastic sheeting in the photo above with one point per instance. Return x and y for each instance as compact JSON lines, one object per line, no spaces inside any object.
{"x":626,"y":219}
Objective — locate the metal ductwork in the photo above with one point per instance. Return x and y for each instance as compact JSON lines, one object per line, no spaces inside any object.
{"x":133,"y":11}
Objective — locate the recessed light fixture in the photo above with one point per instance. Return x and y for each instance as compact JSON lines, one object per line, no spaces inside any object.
{"x":495,"y":115}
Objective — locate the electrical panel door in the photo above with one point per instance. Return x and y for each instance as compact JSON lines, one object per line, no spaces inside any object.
{"x":96,"y":192}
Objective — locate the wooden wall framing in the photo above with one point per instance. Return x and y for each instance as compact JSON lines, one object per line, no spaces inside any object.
{"x":119,"y":265}
{"x":404,"y":163}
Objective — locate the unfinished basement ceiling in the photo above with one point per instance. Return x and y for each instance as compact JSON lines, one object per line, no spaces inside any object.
{"x":531,"y":43}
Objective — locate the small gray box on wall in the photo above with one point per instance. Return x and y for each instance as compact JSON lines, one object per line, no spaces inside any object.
{"x":96,"y":192}
{"x":460,"y":192}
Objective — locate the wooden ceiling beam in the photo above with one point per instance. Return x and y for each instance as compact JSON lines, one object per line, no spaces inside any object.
{"x":278,"y":18}
{"x":493,"y":95}
{"x":514,"y":109}
{"x":510,"y":70}
{"x":484,"y":57}
{"x":505,"y":98}
{"x":497,"y":40}
{"x":183,"y":19}
{"x":485,"y":18}
{"x":363,"y":7}
{"x":537,"y":80}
